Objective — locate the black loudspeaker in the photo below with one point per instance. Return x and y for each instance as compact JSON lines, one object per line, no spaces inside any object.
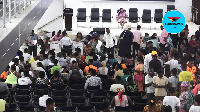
{"x":99,"y":30}
{"x":68,"y":13}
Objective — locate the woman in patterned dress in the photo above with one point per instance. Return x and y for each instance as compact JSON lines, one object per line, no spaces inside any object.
{"x":186,"y":97}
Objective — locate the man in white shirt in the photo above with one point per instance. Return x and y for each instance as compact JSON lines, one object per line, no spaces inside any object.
{"x":147,"y":59}
{"x":114,"y":87}
{"x":93,"y":80}
{"x":137,"y":35}
{"x":26,"y":56}
{"x":66,"y":42}
{"x":171,"y":100}
{"x":25,"y":80}
{"x":109,"y":37}
{"x":42,"y":100}
{"x":196,"y":108}
{"x":174,"y":62}
{"x":149,"y":84}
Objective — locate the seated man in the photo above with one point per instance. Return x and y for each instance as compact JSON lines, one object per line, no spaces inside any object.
{"x":42,"y":100}
{"x":93,"y":80}
{"x":90,"y":65}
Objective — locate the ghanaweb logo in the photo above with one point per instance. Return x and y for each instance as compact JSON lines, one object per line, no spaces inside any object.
{"x":173,"y":21}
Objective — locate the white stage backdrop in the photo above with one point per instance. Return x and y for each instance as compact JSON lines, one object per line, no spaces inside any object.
{"x":183,"y":6}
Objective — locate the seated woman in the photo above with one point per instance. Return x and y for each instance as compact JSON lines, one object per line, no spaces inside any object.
{"x":103,"y":69}
{"x":56,"y":81}
{"x":193,"y":44}
{"x":130,"y":85}
{"x":121,"y":17}
{"x":121,"y":99}
{"x":57,"y":37}
{"x":78,"y":37}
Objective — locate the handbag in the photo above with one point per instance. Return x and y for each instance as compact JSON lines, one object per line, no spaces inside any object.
{"x":139,"y":77}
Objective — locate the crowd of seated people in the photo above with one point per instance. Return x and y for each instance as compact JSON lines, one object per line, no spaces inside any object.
{"x":165,"y":78}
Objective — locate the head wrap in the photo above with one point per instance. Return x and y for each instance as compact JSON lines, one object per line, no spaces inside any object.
{"x":185,"y":84}
{"x":120,"y":94}
{"x":154,"y":52}
{"x":103,"y":63}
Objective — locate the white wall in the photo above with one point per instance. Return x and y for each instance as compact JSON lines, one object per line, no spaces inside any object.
{"x":54,"y":10}
{"x":183,"y":6}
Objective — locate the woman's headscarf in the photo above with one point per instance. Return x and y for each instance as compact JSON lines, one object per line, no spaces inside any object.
{"x":103,"y":63}
{"x":120,"y":94}
{"x":185,"y":84}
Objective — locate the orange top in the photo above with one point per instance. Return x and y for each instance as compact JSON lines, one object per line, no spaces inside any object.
{"x":123,"y":66}
{"x":88,"y":67}
{"x":193,"y":70}
{"x":3,"y":75}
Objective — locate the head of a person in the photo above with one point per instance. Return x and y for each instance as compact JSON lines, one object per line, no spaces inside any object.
{"x":146,"y":35}
{"x":13,"y":68}
{"x":140,"y":59}
{"x":121,"y":10}
{"x":64,"y":34}
{"x":25,"y":50}
{"x":174,"y":71}
{"x":150,"y":44}
{"x":7,"y":68}
{"x":92,"y":53}
{"x":36,"y":58}
{"x":151,"y":71}
{"x":191,"y":62}
{"x":184,"y":66}
{"x":32,"y":33}
{"x":94,"y":34}
{"x":161,"y":27}
{"x":185,"y":85}
{"x":168,"y":109}
{"x":160,"y":73}
{"x":42,"y":74}
{"x":97,"y":37}
{"x":106,"y":107}
{"x":154,"y":54}
{"x":39,"y":64}
{"x":92,"y":72}
{"x":46,"y":91}
{"x":193,"y":37}
{"x":197,"y":99}
{"x":55,"y":62}
{"x":160,"y":54}
{"x":58,"y":33}
{"x":126,"y":71}
{"x":152,"y":102}
{"x":45,"y":56}
{"x":103,"y":64}
{"x":118,"y":67}
{"x":176,"y":54}
{"x":198,"y":55}
{"x":50,"y":104}
{"x":56,"y":74}
{"x":95,"y":58}
{"x":107,"y":30}
{"x":117,"y":79}
{"x":16,"y":61}
{"x":171,"y":91}
{"x":79,"y":34}
{"x":26,"y":73}
{"x":138,"y":27}
{"x":130,"y":80}
{"x":90,"y":62}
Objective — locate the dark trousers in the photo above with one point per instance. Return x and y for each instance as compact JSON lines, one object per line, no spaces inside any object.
{"x":110,"y":51}
{"x":162,"y":46}
{"x":150,"y":96}
{"x":66,"y":49}
{"x":136,"y":47}
{"x":41,"y":42}
{"x":33,"y":49}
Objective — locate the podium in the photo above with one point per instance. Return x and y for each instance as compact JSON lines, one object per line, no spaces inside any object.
{"x":68,"y":13}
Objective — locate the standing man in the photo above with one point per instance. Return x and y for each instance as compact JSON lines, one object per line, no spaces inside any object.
{"x":162,"y":37}
{"x":32,"y":43}
{"x":109,"y":37}
{"x":137,"y":36}
{"x":197,"y":34}
{"x":66,"y":43}
{"x":125,"y":42}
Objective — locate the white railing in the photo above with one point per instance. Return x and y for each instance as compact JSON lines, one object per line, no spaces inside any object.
{"x":12,"y":5}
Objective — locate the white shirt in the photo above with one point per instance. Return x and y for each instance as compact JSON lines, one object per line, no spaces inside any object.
{"x":194,"y":108}
{"x":172,"y":101}
{"x":34,"y":64}
{"x":42,"y":100}
{"x":27,"y":57}
{"x":30,"y":73}
{"x":62,"y":61}
{"x":41,"y":69}
{"x":173,"y":64}
{"x":147,"y":59}
{"x":114,"y":87}
{"x":109,"y":40}
{"x":149,"y":79}
{"x":100,"y":70}
{"x":174,"y":81}
{"x":24,"y":81}
{"x":72,"y":59}
{"x":46,"y":62}
{"x":93,"y":81}
{"x":66,"y":41}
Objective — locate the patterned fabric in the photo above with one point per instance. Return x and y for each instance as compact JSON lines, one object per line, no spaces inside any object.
{"x":186,"y":100}
{"x":185,"y":84}
{"x":156,"y":109}
{"x":131,"y":88}
{"x":93,"y":81}
{"x":41,"y":81}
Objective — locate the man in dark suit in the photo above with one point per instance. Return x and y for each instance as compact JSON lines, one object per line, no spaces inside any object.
{"x":125,"y":42}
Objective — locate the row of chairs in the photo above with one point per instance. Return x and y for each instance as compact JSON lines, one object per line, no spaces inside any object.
{"x":133,"y":15}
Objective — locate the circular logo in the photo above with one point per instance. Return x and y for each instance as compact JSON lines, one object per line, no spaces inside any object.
{"x":173,"y":21}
